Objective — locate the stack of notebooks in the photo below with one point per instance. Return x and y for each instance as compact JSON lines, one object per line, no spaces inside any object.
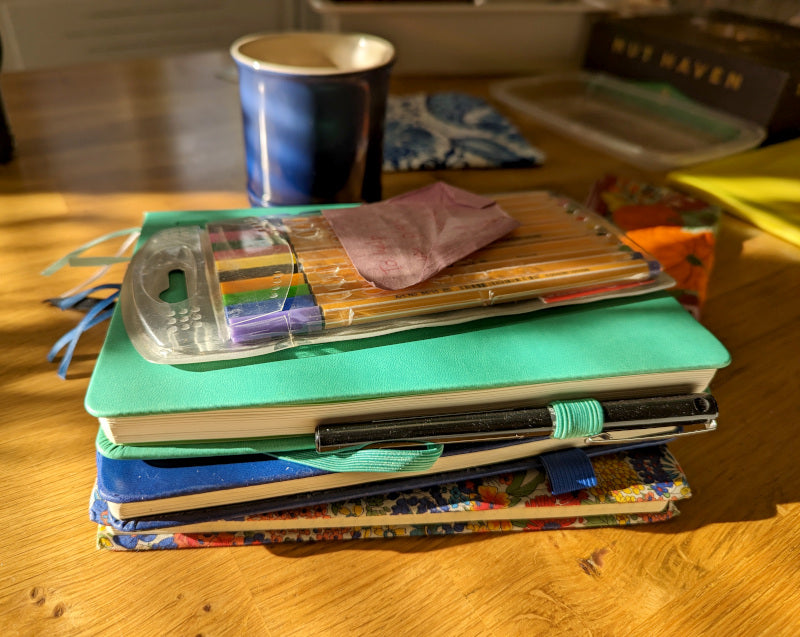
{"x":292,"y":445}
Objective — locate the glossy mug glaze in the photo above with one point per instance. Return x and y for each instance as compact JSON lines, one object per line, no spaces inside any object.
{"x":313,"y":111}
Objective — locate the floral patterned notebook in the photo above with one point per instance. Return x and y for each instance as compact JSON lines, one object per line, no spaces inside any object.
{"x":676,"y":228}
{"x":634,"y":487}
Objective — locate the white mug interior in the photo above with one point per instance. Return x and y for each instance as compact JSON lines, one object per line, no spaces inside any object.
{"x":313,"y":53}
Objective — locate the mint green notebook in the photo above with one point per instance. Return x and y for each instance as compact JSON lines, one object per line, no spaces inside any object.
{"x":638,"y":346}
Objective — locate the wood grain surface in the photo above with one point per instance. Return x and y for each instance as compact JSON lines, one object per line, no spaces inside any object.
{"x":98,"y":145}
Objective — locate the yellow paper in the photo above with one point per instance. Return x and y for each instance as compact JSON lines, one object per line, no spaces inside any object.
{"x":761,"y":186}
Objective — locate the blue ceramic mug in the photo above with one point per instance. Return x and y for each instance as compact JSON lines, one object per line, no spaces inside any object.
{"x":313,"y":110}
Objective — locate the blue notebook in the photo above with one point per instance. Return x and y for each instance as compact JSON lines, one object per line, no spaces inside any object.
{"x":136,"y":488}
{"x":100,"y":510}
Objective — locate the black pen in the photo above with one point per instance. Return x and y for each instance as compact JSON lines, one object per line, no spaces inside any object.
{"x":504,"y":424}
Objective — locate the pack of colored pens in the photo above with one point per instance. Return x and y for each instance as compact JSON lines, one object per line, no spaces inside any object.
{"x":237,"y":286}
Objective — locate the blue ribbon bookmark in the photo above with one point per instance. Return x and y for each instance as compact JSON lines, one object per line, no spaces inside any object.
{"x":100,"y":312}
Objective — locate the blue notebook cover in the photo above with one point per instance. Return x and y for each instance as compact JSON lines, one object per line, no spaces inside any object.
{"x":99,"y":510}
{"x":137,"y":488}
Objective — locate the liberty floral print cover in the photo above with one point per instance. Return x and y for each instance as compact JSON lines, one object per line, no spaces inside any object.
{"x":679,"y":230}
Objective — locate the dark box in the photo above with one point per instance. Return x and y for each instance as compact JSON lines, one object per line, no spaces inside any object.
{"x":739,"y":64}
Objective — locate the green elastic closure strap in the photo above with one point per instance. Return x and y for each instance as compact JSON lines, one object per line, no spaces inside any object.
{"x":368,"y":460}
{"x":204,"y":449}
{"x":299,"y":449}
{"x":577,"y":418}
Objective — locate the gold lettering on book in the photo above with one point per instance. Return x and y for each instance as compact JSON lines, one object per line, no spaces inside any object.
{"x":668,"y":60}
{"x":685,"y":65}
{"x":633,"y":49}
{"x":699,"y":70}
{"x":734,"y":81}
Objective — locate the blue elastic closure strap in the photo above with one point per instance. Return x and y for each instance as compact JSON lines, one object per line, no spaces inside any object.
{"x":568,"y":470}
{"x":368,"y":460}
{"x":576,"y":418}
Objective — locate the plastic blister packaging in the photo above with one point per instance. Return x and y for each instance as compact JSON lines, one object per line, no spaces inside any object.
{"x":254,"y":285}
{"x":652,"y":129}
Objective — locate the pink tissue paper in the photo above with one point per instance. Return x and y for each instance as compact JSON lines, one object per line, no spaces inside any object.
{"x":407,"y":239}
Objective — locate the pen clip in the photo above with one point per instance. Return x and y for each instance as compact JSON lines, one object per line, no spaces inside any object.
{"x":606,"y":438}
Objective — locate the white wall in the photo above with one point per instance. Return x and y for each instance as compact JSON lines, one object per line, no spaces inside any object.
{"x":51,"y":33}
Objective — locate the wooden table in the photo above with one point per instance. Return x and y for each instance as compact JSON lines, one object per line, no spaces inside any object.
{"x":97,"y":146}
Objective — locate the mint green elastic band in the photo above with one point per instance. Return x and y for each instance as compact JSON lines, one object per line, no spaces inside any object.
{"x":202,"y":449}
{"x":88,"y":262}
{"x":577,"y":418}
{"x":299,"y":449}
{"x":73,"y":258}
{"x":368,"y":460}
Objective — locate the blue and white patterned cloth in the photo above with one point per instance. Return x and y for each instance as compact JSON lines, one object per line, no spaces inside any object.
{"x":451,"y":130}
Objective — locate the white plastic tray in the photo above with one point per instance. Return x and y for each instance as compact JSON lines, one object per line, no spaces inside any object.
{"x":457,"y":38}
{"x":656,"y":130}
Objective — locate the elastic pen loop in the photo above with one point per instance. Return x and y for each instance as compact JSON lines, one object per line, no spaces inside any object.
{"x":576,"y":418}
